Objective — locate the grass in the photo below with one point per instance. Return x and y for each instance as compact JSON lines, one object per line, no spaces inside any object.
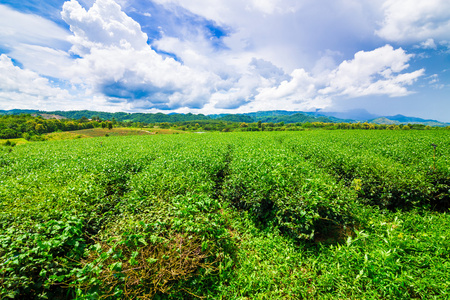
{"x":118,"y":131}
{"x":67,"y":135}
{"x":19,"y":141}
{"x":98,"y":132}
{"x":165,"y":131}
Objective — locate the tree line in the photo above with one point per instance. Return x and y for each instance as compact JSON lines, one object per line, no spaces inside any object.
{"x":32,"y":127}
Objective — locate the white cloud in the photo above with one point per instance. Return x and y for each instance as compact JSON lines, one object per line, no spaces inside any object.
{"x":17,"y":28}
{"x":104,"y":25}
{"x":289,"y":33}
{"x":415,"y":20}
{"x":300,"y":87}
{"x":445,"y":44}
{"x":117,"y":61}
{"x":44,"y":60}
{"x":230,"y":11}
{"x":113,"y":62}
{"x":434,"y":81}
{"x":428,"y":44}
{"x":33,"y":41}
{"x":21,"y":88}
{"x":373,"y":72}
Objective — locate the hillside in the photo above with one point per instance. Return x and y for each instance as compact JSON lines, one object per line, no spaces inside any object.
{"x":400,"y":119}
{"x":275,"y":116}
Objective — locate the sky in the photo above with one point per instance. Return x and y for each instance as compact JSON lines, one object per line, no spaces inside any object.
{"x":387,"y":57}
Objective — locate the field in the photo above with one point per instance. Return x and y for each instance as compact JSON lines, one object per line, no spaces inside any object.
{"x":101,"y":132}
{"x":252,"y":215}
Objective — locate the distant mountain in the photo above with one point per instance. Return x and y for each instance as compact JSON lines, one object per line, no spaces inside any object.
{"x":400,"y":119}
{"x":235,"y":118}
{"x":317,"y":116}
{"x":384,"y":120}
{"x":18,"y":111}
{"x":294,"y":118}
{"x":404,"y":119}
{"x":274,"y":116}
{"x":273,"y":113}
{"x":353,"y":115}
{"x":119,"y":116}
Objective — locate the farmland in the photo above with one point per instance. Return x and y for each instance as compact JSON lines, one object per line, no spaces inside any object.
{"x":320,"y":214}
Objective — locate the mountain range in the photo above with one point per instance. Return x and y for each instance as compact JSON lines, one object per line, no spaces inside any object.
{"x":274,"y":116}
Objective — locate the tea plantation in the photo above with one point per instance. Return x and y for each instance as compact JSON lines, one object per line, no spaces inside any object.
{"x":252,"y":215}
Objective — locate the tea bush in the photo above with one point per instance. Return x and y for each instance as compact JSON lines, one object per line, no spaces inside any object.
{"x":281,"y":215}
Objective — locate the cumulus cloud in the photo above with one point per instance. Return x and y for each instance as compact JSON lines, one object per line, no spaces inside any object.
{"x":116,"y":60}
{"x":104,"y":25}
{"x":111,"y":58}
{"x":373,"y":72}
{"x":21,"y":88}
{"x":300,"y":87}
{"x":376,"y":72}
{"x":415,"y":20}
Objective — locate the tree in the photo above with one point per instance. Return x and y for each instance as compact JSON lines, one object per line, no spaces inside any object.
{"x":83,"y":119}
{"x":40,"y":128}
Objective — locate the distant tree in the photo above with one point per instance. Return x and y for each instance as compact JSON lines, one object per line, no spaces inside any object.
{"x":40,"y":128}
{"x":71,"y":125}
{"x":8,"y":134}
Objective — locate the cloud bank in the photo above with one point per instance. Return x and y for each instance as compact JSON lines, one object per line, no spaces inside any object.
{"x":108,"y":58}
{"x":19,"y":88}
{"x":415,"y":20}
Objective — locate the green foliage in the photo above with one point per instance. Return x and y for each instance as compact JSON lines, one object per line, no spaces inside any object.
{"x":395,"y":170}
{"x":8,"y":143}
{"x":283,"y":187}
{"x":37,"y":256}
{"x":32,"y":127}
{"x":265,"y":215}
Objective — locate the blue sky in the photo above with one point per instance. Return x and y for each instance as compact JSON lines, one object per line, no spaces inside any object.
{"x":227,"y":56}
